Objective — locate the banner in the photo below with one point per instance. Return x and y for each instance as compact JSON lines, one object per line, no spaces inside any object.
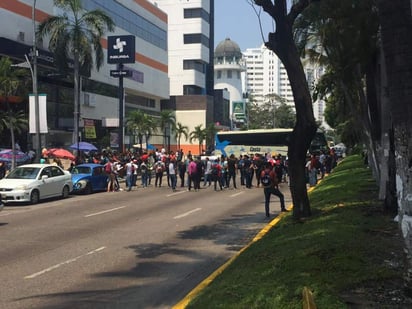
{"x":89,"y":129}
{"x":42,"y":113}
{"x":114,"y":139}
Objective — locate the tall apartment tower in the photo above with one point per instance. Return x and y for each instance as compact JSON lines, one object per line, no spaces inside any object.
{"x":190,"y":54}
{"x":265,"y":75}
{"x":228,"y":69}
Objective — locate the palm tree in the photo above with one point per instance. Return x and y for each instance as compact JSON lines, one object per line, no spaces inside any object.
{"x":10,"y":83}
{"x":12,"y":80}
{"x":16,"y":122}
{"x":200,"y":135}
{"x":181,"y":130}
{"x":210,"y":133}
{"x":148,"y":127}
{"x":141,"y":124}
{"x":167,"y":121}
{"x":76,"y":33}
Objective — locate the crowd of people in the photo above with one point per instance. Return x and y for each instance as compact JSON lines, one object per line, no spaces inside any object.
{"x":162,"y":168}
{"x":182,"y":170}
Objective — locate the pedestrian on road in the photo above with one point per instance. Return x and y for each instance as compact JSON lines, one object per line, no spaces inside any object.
{"x":269,"y":181}
{"x":172,"y":173}
{"x":129,"y":174}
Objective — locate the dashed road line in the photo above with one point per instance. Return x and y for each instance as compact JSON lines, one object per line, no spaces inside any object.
{"x":187,"y":213}
{"x":103,"y":212}
{"x":42,"y":272}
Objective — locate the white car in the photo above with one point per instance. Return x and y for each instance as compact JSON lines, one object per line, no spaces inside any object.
{"x":34,"y":182}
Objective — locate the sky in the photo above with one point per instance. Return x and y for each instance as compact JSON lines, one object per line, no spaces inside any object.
{"x":236,"y":19}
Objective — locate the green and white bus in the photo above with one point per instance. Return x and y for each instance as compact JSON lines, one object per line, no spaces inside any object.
{"x":273,"y":141}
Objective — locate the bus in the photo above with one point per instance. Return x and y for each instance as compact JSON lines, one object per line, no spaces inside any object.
{"x":263,"y":141}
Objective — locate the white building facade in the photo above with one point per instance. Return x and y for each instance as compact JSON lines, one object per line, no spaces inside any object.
{"x":148,"y":85}
{"x":190,"y":48}
{"x":228,"y":66}
{"x":266,"y":75}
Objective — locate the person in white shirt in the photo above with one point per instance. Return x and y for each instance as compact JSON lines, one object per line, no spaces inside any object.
{"x":129,"y":174}
{"x":172,"y":174}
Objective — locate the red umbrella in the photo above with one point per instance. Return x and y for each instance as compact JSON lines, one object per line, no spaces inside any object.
{"x":60,"y":153}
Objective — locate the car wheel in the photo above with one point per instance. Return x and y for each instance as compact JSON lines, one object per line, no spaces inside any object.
{"x":66,"y":192}
{"x":88,"y":189}
{"x":34,"y":197}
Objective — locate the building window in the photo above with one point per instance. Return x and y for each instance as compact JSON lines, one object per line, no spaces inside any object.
{"x":196,"y":65}
{"x":130,"y":21}
{"x":192,"y":90}
{"x":140,"y":100}
{"x":196,"y":13}
{"x":229,"y":73}
{"x":196,"y":38}
{"x":219,"y":74}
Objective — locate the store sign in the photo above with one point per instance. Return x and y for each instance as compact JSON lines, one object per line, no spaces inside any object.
{"x":89,"y":129}
{"x":238,"y":107}
{"x":121,"y":49}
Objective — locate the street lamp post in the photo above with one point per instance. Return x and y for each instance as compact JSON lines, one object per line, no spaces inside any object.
{"x":37,"y":141}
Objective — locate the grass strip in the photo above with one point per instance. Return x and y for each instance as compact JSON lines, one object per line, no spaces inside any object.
{"x":346,"y":244}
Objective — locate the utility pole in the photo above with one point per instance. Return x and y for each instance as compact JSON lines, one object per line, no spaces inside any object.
{"x":37,"y":141}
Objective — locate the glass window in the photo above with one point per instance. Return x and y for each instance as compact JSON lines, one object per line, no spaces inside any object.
{"x":196,"y":38}
{"x":196,"y":65}
{"x":130,"y":21}
{"x":196,"y":13}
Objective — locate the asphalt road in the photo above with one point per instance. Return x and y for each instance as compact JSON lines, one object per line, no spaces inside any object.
{"x":142,"y":249}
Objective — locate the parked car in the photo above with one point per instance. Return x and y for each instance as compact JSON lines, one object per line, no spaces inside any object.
{"x":34,"y":182}
{"x":88,"y":178}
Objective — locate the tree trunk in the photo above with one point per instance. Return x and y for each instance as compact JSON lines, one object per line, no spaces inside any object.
{"x":283,"y":45}
{"x":76,"y":113}
{"x":396,"y":22}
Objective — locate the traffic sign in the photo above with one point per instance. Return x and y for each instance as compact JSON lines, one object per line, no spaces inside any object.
{"x":120,"y":73}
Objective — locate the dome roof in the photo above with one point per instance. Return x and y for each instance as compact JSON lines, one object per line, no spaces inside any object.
{"x":227,"y":48}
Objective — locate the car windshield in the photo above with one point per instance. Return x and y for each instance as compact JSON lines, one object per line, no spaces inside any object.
{"x":81,"y":170}
{"x":24,"y":173}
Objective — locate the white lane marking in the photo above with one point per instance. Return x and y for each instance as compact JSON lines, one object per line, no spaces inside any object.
{"x":236,"y":194}
{"x":187,"y":213}
{"x":104,"y":211}
{"x":175,"y":193}
{"x":63,"y":263}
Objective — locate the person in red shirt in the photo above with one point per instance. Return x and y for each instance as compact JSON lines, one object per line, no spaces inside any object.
{"x":216,"y":174}
{"x":269,"y":181}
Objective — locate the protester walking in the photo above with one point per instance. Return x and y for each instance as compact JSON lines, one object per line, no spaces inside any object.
{"x":269,"y":181}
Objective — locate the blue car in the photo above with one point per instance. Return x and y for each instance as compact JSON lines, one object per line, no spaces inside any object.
{"x":88,"y":178}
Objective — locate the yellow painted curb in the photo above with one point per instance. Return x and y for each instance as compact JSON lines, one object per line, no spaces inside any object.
{"x":193,"y":293}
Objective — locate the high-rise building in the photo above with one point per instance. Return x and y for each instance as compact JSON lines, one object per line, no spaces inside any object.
{"x":265,"y":75}
{"x":190,"y":48}
{"x":99,"y":110}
